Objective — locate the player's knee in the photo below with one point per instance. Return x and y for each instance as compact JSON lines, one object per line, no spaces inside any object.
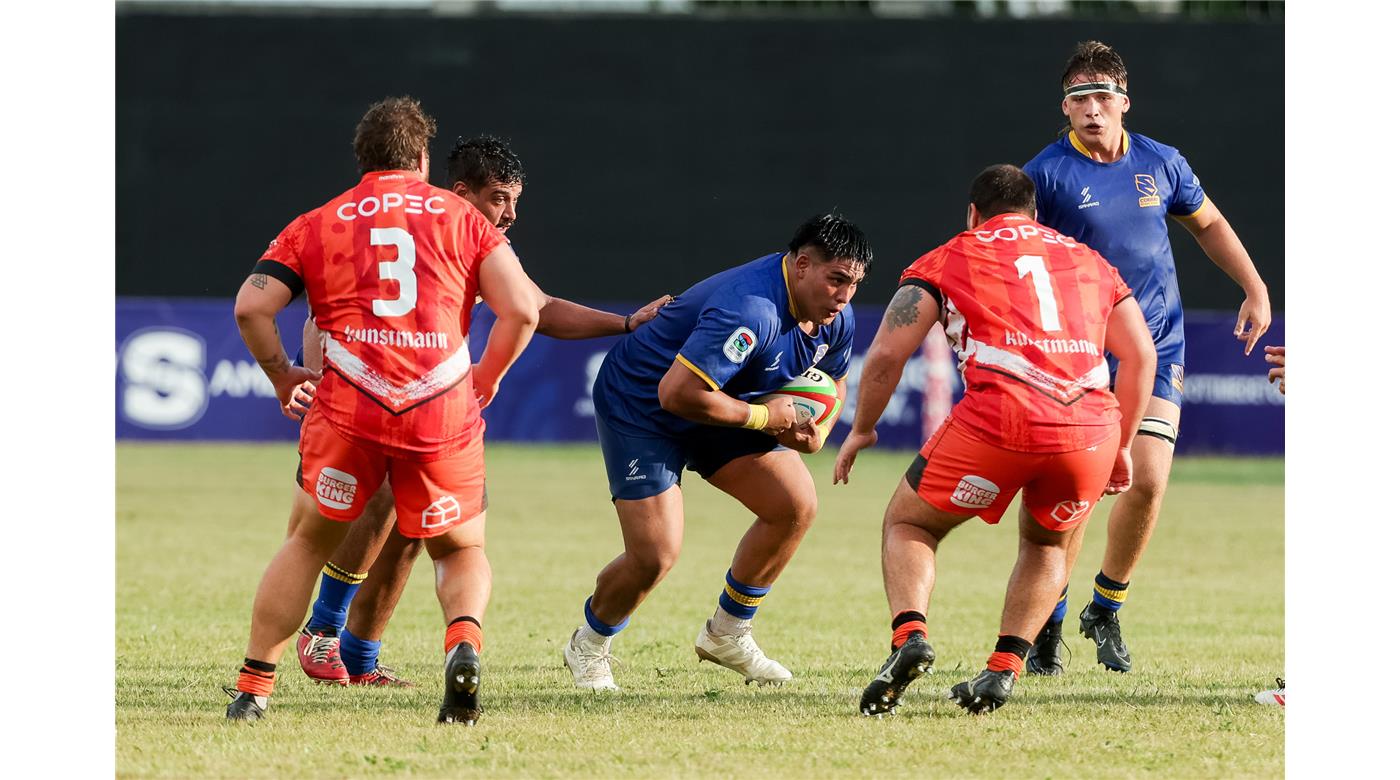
{"x":797,"y":516}
{"x":652,"y":565}
{"x":1149,"y":486}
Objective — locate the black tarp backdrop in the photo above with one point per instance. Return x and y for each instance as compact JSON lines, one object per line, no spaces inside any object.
{"x":659,"y":150}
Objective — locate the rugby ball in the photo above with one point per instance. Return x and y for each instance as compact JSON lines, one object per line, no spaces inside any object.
{"x":813,"y":395}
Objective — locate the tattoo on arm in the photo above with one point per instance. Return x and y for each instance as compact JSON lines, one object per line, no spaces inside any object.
{"x":258,"y":280}
{"x":904,"y":309}
{"x":275,"y":365}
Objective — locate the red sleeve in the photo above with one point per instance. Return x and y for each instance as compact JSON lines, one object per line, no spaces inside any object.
{"x":282,"y":259}
{"x":481,"y":237}
{"x":928,"y":269}
{"x":1121,"y":290}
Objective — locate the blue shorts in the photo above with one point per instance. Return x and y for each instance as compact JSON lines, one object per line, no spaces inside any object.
{"x":1169,"y":337}
{"x":642,"y":464}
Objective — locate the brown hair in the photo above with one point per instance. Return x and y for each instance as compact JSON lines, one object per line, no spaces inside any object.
{"x":1092,"y":58}
{"x":392,"y":134}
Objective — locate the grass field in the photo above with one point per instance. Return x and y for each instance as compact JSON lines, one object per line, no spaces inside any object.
{"x":197,"y":524}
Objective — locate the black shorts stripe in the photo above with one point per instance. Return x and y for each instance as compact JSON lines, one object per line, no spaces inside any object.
{"x":915,"y":475}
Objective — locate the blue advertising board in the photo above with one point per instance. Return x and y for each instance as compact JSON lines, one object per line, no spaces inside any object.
{"x":184,"y":374}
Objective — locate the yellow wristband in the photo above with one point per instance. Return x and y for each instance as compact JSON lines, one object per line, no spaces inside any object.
{"x":758,"y":417}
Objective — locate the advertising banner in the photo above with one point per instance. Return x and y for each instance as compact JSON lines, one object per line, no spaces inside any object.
{"x":184,"y":374}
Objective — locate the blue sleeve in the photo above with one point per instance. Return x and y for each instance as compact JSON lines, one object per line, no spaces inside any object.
{"x":1187,"y":195}
{"x":1044,"y":187}
{"x":727,"y":334}
{"x":837,"y":362}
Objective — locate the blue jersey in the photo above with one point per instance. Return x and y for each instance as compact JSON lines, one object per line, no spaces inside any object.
{"x":737,"y":330}
{"x":1120,"y":210}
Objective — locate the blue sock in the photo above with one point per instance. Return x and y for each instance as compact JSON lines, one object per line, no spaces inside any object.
{"x":338,"y":587}
{"x":1061,"y":607}
{"x":599,"y":626}
{"x":360,"y":656}
{"x":1109,"y":594}
{"x":740,"y":600}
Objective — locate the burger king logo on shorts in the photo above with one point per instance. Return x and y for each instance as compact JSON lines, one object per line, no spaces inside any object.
{"x":975,"y":492}
{"x":335,"y":488}
{"x":444,"y":511}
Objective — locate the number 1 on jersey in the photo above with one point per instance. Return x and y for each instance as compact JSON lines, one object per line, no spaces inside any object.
{"x":1044,"y":293}
{"x":399,"y":270}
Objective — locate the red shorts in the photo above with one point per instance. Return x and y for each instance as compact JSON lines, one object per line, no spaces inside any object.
{"x":963,"y":475}
{"x":430,"y":498}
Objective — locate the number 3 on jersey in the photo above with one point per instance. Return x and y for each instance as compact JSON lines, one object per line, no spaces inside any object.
{"x":401,"y":270}
{"x":1044,"y":293}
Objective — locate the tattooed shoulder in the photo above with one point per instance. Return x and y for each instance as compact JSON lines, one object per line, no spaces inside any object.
{"x":904,"y":309}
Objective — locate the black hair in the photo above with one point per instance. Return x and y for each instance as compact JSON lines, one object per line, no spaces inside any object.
{"x":483,"y":160}
{"x":835,"y":236}
{"x":1003,"y":188}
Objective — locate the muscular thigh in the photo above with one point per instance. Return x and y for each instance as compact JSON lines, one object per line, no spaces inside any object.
{"x":772,"y":485}
{"x":433,"y":498}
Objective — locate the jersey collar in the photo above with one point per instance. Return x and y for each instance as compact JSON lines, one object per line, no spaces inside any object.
{"x":1084,"y":150}
{"x":403,"y":174}
{"x":787,"y":286}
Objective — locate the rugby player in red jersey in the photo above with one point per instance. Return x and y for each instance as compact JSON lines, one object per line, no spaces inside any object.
{"x":362,"y":582}
{"x":1029,"y":312}
{"x":391,"y":269}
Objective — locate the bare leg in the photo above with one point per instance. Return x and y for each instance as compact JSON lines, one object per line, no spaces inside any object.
{"x":652,"y":529}
{"x":463,"y":572}
{"x":1036,"y":580}
{"x":367,"y":534}
{"x":375,"y":602}
{"x":285,"y":590}
{"x":1134,"y":515}
{"x":913,"y":528}
{"x":778,"y":489}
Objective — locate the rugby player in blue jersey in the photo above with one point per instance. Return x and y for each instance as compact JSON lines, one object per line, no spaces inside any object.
{"x":1113,"y":190}
{"x":680,"y":394}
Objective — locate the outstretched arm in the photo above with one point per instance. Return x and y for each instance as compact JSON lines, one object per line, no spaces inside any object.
{"x":911,"y":313}
{"x":564,"y":319}
{"x":1223,"y":247}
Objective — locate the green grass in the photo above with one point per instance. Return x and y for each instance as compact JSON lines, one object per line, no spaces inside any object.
{"x":196,"y":525}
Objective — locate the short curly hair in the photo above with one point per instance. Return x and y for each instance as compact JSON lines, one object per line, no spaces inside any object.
{"x":483,"y":160}
{"x":1094,"y":58}
{"x":392,"y":134}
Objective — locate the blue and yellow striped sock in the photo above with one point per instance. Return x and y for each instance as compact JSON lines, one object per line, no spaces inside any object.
{"x":332,"y":606}
{"x":1061,"y":607}
{"x":740,"y":600}
{"x":1109,"y":594}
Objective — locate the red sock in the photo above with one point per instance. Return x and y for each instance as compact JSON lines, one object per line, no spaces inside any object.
{"x":463,"y":629}
{"x":1000,"y":662}
{"x":255,"y":681}
{"x":901,"y":634}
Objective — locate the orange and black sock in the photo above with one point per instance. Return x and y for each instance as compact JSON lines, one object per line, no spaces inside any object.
{"x":257,"y":677}
{"x":1010,"y":654}
{"x":463,"y":629}
{"x":906,"y":624}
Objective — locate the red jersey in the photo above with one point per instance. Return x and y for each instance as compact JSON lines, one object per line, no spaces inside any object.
{"x":391,"y":268}
{"x":1026,"y":309}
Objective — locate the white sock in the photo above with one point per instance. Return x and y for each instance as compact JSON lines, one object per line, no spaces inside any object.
{"x":725,"y":624}
{"x":593,"y":637}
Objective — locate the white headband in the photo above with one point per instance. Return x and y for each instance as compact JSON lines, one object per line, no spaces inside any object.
{"x":1095,"y":86}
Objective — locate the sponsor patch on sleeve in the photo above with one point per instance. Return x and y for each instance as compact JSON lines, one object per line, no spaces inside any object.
{"x":739,"y":345}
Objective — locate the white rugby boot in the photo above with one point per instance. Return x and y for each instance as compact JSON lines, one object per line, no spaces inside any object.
{"x":740,"y":653}
{"x":1271,"y":698}
{"x":590,"y":663}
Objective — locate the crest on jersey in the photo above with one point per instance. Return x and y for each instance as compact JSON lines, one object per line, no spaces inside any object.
{"x":1148,"y":187}
{"x":821,"y":353}
{"x":739,"y":344}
